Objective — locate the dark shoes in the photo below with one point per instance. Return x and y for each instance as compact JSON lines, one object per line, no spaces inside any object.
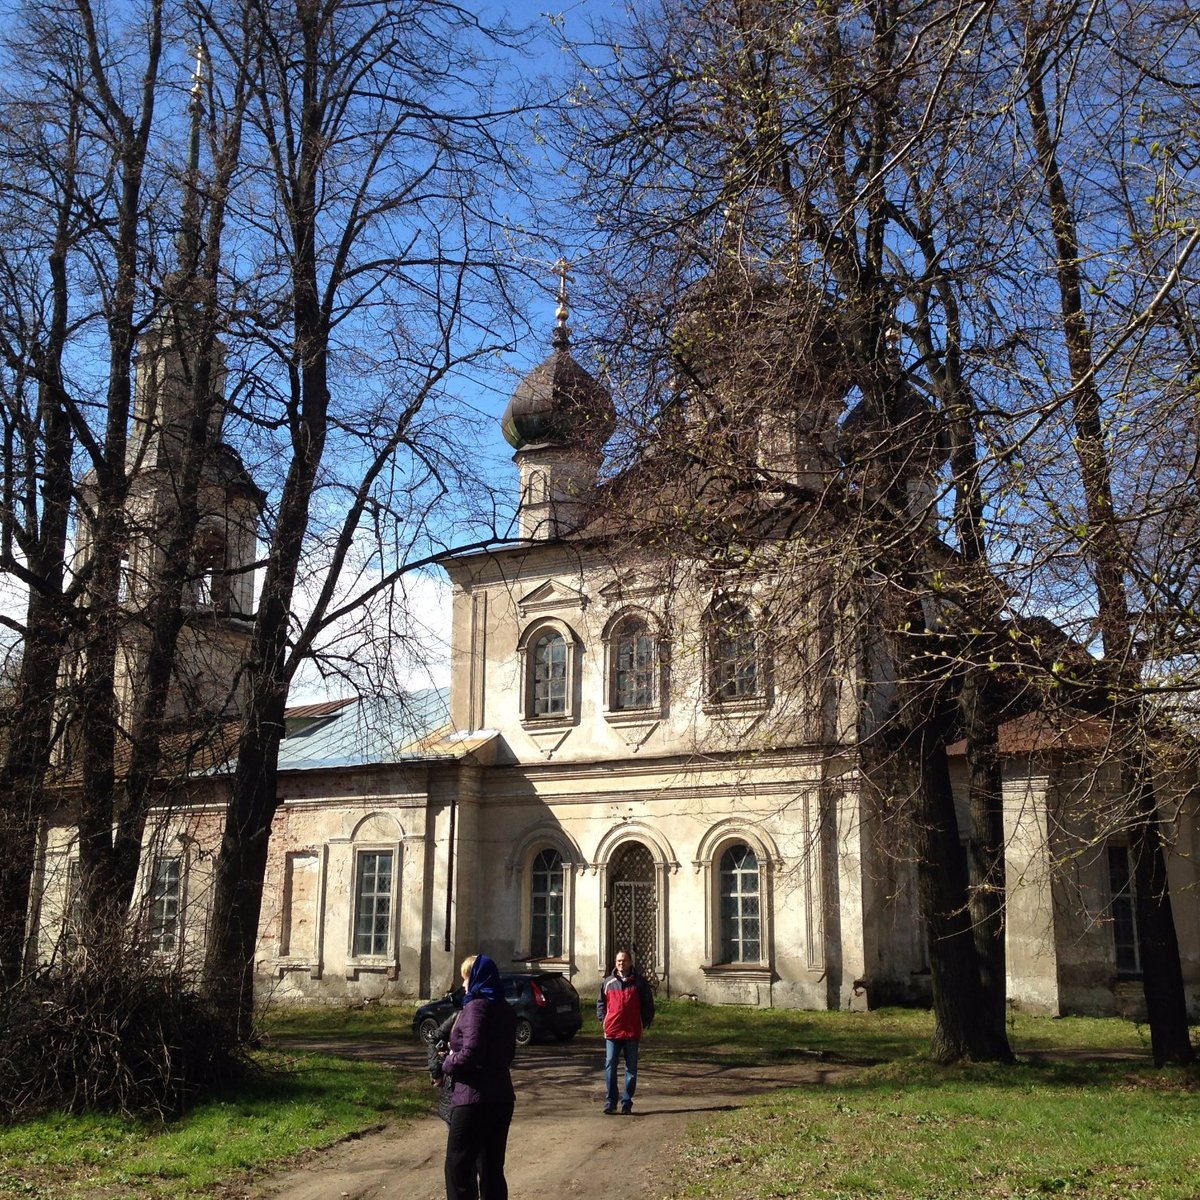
{"x":609,"y":1109}
{"x":626,"y":1109}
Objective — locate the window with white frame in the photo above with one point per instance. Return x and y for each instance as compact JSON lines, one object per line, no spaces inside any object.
{"x":735,"y":672}
{"x":1122,"y":908}
{"x":373,"y":903}
{"x":125,"y":580}
{"x":165,"y":889}
{"x":72,"y":909}
{"x":633,"y":656}
{"x":740,"y":918}
{"x":546,"y":905}
{"x":549,"y":681}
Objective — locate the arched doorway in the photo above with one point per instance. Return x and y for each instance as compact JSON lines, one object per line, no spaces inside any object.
{"x":633,"y":907}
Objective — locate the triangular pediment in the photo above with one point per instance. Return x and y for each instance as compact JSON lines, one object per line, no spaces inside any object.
{"x":552,"y":595}
{"x":630,"y":586}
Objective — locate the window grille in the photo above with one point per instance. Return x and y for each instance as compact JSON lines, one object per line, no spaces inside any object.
{"x":373,"y":904}
{"x":546,"y":905}
{"x":739,"y":901}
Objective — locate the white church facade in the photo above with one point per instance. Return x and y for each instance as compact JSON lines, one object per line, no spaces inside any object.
{"x":633,"y":751}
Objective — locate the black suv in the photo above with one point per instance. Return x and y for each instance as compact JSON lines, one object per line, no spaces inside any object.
{"x":546,"y":1003}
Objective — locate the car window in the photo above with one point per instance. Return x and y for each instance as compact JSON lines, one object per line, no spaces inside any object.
{"x":555,"y":985}
{"x":512,"y":989}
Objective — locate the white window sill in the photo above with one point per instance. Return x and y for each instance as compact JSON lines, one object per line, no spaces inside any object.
{"x":634,"y":716}
{"x":750,"y":707}
{"x":372,"y":966}
{"x":752,"y":972}
{"x":549,"y":724}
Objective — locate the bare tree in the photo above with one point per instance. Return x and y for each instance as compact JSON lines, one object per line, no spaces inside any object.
{"x":110,"y":175}
{"x":1048,"y":33}
{"x":380,"y":161}
{"x":783,"y":141}
{"x":352,"y":158}
{"x":868,"y":168}
{"x":80,"y":168}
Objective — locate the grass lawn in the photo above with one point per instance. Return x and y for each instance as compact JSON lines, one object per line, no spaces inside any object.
{"x":894,"y":1127}
{"x":296,"y":1102}
{"x":911,"y":1131}
{"x":1083,"y":1116}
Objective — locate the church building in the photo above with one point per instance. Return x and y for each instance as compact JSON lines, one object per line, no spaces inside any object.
{"x":639,"y":747}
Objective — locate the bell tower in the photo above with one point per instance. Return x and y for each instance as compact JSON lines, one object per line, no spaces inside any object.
{"x":557,"y":421}
{"x":174,"y":468}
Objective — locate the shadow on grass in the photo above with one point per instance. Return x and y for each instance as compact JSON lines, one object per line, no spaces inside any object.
{"x":289,"y":1078}
{"x":1107,"y":1074}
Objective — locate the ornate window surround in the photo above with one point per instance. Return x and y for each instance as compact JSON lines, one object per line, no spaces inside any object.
{"x":530,"y":637}
{"x":519,"y":869}
{"x":665,"y":864}
{"x":656,"y":708}
{"x":739,"y":606}
{"x":392,"y":841}
{"x":707,"y":864}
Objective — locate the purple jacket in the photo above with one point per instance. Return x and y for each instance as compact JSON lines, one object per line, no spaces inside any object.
{"x":482,"y":1044}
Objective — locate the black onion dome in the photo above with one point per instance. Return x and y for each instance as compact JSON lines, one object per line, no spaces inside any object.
{"x":559,"y":404}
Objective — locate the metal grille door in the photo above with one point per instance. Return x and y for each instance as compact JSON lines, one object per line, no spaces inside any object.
{"x":633,"y":906}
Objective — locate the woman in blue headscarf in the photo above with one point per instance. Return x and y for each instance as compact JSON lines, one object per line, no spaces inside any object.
{"x":482,"y":1045}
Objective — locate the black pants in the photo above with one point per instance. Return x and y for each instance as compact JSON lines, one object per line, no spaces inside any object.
{"x":475,"y":1152}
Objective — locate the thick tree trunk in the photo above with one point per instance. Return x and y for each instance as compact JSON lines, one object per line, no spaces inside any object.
{"x":1162,"y":974}
{"x":31,"y":734}
{"x":962,"y":1030}
{"x":986,"y":850}
{"x":241,"y":867}
{"x":103,"y":918}
{"x":22,"y":780}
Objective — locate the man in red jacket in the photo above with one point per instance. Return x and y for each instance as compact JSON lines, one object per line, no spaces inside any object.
{"x":626,"y":1006}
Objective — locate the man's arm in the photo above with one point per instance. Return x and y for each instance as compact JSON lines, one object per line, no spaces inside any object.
{"x":602,"y":1001}
{"x":647,"y":998}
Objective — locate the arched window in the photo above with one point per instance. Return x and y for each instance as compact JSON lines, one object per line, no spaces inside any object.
{"x":741,"y":936}
{"x":211,"y":577}
{"x":548,"y":675}
{"x":634,"y":665}
{"x":546,"y":905}
{"x":734,"y":662}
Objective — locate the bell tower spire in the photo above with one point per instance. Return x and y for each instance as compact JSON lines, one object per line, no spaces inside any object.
{"x":188,"y":245}
{"x":557,"y":421}
{"x":561,"y":338}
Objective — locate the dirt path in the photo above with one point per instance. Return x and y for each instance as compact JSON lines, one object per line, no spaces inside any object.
{"x":560,"y":1144}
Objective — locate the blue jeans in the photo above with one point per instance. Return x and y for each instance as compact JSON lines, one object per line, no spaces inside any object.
{"x":613,"y":1049}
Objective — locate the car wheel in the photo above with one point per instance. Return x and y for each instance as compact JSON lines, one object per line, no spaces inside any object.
{"x":524,"y":1032}
{"x":427,"y":1029}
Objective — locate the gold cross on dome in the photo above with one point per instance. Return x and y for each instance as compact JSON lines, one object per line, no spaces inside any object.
{"x":198,"y":73}
{"x":562,"y":269}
